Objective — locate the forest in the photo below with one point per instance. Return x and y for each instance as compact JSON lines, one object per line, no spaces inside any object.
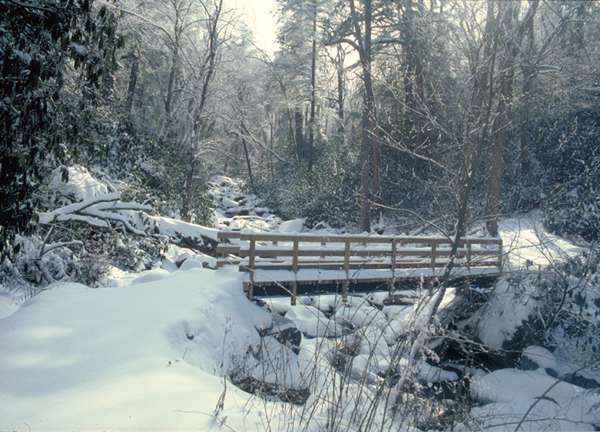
{"x":133,"y":133}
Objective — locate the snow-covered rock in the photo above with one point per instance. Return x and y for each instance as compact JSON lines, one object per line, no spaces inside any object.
{"x":312,"y":322}
{"x":510,"y":314}
{"x":292,"y":226}
{"x":534,"y":357}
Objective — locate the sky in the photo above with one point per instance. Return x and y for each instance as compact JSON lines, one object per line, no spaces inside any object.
{"x":258,"y":14}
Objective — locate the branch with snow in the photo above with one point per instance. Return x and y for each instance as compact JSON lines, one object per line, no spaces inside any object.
{"x":107,"y":209}
{"x":99,"y":211}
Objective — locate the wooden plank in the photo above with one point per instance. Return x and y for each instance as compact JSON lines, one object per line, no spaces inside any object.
{"x":223,"y":235}
{"x":227,"y":249}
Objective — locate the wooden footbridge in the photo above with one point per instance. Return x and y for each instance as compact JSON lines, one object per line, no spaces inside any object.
{"x":290,"y":261}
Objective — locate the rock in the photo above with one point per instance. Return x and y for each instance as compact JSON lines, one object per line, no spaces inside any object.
{"x":286,"y":332}
{"x":229,"y":203}
{"x":458,"y":351}
{"x":581,"y":381}
{"x":254,"y":386}
{"x":237,"y":211}
{"x":537,"y":357}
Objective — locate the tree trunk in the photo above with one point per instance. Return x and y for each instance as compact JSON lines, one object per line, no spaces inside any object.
{"x":528,"y":71}
{"x":172,"y":78}
{"x":369,"y":144}
{"x":369,"y":132}
{"x":131,"y":87}
{"x":409,"y":68}
{"x":298,"y":135}
{"x":313,"y":89}
{"x":340,"y":91}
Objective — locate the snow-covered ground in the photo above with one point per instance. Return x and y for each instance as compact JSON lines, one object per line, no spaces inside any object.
{"x":144,"y":356}
{"x":528,"y":244}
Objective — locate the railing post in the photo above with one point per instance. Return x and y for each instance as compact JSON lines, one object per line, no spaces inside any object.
{"x":469,"y":254}
{"x":433,"y":255}
{"x":251,"y":267}
{"x":346,"y":270}
{"x":295,"y":268}
{"x":500,"y":256}
{"x":393,"y":265}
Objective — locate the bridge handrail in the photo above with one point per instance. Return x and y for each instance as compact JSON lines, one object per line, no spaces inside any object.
{"x":352,"y":238}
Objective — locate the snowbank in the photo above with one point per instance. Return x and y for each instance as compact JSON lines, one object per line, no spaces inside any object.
{"x":145,"y":356}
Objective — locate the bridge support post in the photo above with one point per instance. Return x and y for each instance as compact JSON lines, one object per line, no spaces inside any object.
{"x":294,"y":296}
{"x":252,"y":267}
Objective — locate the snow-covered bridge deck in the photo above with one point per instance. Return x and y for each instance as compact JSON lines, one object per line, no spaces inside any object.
{"x":309,"y":259}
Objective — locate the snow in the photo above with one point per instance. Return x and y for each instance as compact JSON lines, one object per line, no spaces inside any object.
{"x":178,"y":228}
{"x":292,"y":226}
{"x":528,"y":243}
{"x":7,"y":306}
{"x":319,"y":275}
{"x":143,"y":356}
{"x":541,"y":357}
{"x":81,"y":184}
{"x":155,"y":349}
{"x":99,"y":211}
{"x":509,"y":306}
{"x":312,"y":322}
{"x":508,"y":394}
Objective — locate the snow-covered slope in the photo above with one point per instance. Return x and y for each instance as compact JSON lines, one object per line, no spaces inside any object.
{"x":145,"y":356}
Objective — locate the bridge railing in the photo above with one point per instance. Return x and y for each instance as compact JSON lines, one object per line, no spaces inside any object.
{"x":346,"y":253}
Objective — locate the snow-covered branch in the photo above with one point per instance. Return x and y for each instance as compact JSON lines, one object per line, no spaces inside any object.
{"x":100,"y":212}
